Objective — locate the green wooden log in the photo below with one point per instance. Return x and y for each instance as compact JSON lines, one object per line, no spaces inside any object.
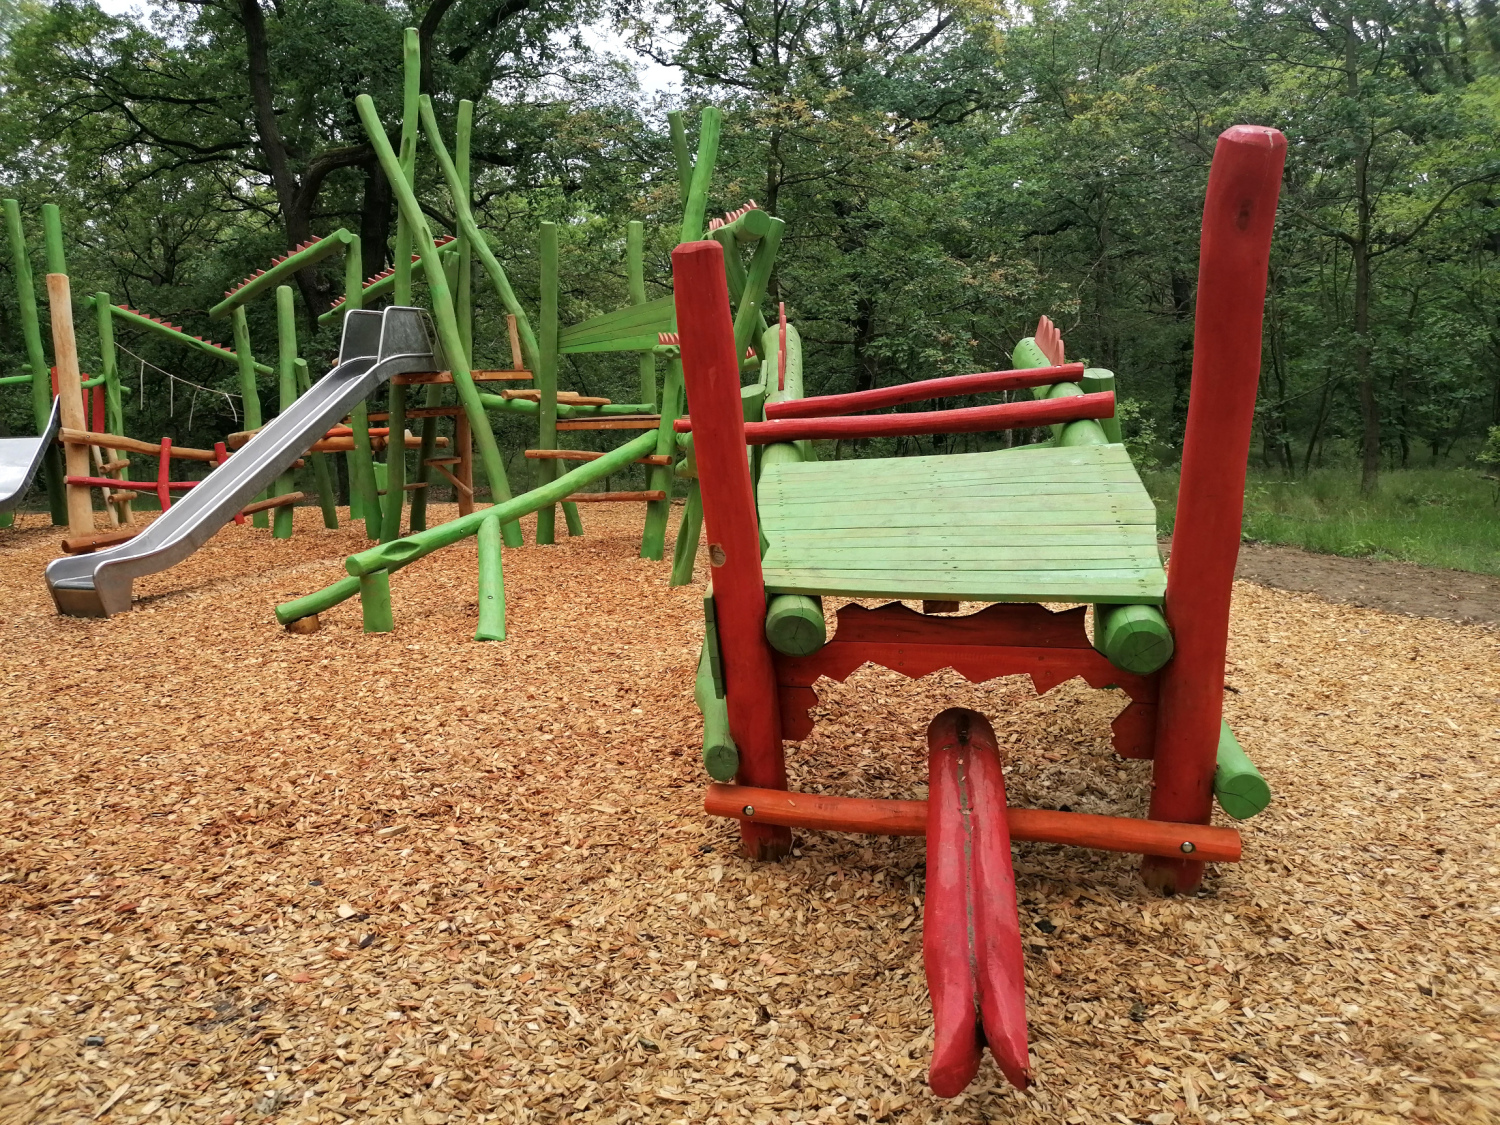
{"x":52,"y":238}
{"x":752,"y":226}
{"x":693,"y":210}
{"x":479,"y":244}
{"x":1134,"y":638}
{"x":249,"y":389}
{"x":321,"y":600}
{"x":1083,"y":432}
{"x":36,"y":356}
{"x":286,"y":382}
{"x":748,"y":320}
{"x":322,"y":471}
{"x":533,"y":409}
{"x":1097,"y":379}
{"x":721,"y":758}
{"x":795,"y":625}
{"x":635,"y":267}
{"x":109,"y":360}
{"x":654,"y":533}
{"x":546,"y":375}
{"x":685,"y":551}
{"x":177,"y":336}
{"x":684,"y":160}
{"x":362,"y":456}
{"x":1240,"y":788}
{"x":283,"y":271}
{"x":381,"y":286}
{"x":375,"y":601}
{"x":405,"y":551}
{"x":491,"y":583}
{"x":446,"y":322}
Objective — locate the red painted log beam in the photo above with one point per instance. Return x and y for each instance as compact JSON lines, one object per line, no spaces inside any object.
{"x":909,"y":818}
{"x":984,"y":382}
{"x":971,"y":935}
{"x":968,"y":420}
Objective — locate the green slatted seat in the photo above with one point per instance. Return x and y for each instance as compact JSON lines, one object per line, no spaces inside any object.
{"x":1021,"y":525}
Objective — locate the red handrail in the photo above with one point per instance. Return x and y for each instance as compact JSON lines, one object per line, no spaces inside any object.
{"x":982,"y":382}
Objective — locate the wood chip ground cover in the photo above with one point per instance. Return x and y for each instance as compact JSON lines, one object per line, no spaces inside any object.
{"x":251,"y":876}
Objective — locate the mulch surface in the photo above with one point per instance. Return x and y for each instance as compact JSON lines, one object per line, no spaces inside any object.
{"x":252,"y":876}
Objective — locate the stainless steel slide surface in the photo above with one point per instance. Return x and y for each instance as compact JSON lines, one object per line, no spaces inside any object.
{"x":20,"y":457}
{"x":375,"y":346}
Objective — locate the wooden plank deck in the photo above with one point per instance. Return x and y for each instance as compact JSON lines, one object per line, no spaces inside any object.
{"x":1051,"y":525}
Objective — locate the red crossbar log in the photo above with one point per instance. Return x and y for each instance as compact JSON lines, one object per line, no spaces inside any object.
{"x":968,"y":420}
{"x":971,"y":936}
{"x":981,"y":383}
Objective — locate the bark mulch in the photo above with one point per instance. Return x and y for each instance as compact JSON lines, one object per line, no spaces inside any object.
{"x":249,"y":876}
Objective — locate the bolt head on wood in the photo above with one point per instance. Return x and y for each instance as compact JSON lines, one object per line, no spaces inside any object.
{"x":749,"y":810}
{"x":309,"y":624}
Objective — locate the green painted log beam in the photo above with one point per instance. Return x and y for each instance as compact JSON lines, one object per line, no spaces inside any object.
{"x":794,"y":623}
{"x":283,"y":271}
{"x":1083,"y":432}
{"x":286,"y":384}
{"x":721,"y":758}
{"x":1239,"y":787}
{"x":752,"y":226}
{"x":491,"y":583}
{"x":1134,"y":638}
{"x":36,"y":356}
{"x":380,"y":285}
{"x":696,"y":204}
{"x":748,"y":320}
{"x":218,"y":351}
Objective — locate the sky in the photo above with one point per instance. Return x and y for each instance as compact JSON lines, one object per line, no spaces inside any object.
{"x":652,"y":76}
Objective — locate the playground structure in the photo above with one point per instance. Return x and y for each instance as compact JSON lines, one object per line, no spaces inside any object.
{"x":1067,"y":521}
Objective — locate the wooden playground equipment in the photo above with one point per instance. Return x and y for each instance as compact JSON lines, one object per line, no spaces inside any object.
{"x":1067,"y":521}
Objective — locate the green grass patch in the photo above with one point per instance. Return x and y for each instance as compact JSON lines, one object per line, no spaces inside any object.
{"x":1433,"y":517}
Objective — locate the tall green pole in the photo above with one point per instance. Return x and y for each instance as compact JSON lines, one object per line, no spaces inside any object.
{"x":546,"y":377}
{"x":395,"y":450}
{"x":322,"y":470}
{"x":286,"y":384}
{"x":41,"y":383}
{"x":361,"y":458}
{"x":114,"y":407}
{"x":445,"y":319}
{"x":703,"y":174}
{"x":249,"y":391}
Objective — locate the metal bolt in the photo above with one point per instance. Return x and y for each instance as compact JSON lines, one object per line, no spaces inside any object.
{"x":1187,"y":847}
{"x":749,"y":810}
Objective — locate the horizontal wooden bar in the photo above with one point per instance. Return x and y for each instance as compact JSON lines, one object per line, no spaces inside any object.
{"x":618,"y":422}
{"x":445,"y":378}
{"x":83,"y":544}
{"x":909,"y":818}
{"x":984,"y":382}
{"x":115,"y":466}
{"x":132,"y":445}
{"x":569,"y":398}
{"x":274,"y":502}
{"x":421,"y":412}
{"x":613,"y":497}
{"x":132,"y":485}
{"x":972,"y":419}
{"x":442,"y":461}
{"x":587,"y":455}
{"x":441,"y":466}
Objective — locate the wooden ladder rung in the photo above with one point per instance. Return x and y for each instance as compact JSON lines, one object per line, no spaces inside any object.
{"x":588,"y":455}
{"x":618,"y":422}
{"x":614,"y":497}
{"x":443,"y":461}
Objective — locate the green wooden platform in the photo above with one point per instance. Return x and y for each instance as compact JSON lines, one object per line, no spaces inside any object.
{"x":1034,"y":525}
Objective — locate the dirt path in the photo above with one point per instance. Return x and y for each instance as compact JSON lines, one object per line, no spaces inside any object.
{"x":250,"y":877}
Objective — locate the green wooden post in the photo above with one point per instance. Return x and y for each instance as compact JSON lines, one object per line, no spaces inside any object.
{"x":654,"y":535}
{"x":721,"y":758}
{"x":361,"y":457}
{"x":286,"y":384}
{"x":433,"y":395}
{"x":109,"y":358}
{"x":685,"y":551}
{"x":36,"y":356}
{"x":465,"y":299}
{"x":375,"y":601}
{"x":748,"y":322}
{"x":635,"y":264}
{"x":249,"y":390}
{"x":680,"y":152}
{"x":703,"y":174}
{"x":491,"y":584}
{"x":546,"y":377}
{"x":445,"y":320}
{"x":322,"y":471}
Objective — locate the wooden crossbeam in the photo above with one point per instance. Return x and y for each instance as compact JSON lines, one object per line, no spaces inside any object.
{"x":618,"y":422}
{"x":132,"y":445}
{"x":614,"y":497}
{"x":445,"y":378}
{"x":587,"y":455}
{"x":567,"y":398}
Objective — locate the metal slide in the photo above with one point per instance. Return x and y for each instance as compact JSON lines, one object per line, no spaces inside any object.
{"x":20,"y":457}
{"x":375,"y":346}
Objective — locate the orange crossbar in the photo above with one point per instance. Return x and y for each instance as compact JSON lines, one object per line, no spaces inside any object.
{"x":909,"y":818}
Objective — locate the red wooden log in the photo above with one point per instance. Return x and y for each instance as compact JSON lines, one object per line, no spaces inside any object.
{"x":711,"y":374}
{"x":1239,"y":215}
{"x":163,"y":472}
{"x":967,"y":420}
{"x":96,"y":409}
{"x":980,"y":383}
{"x":971,"y":936}
{"x":822,"y":813}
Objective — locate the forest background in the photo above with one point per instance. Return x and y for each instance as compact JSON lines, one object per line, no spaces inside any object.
{"x":948,"y":172}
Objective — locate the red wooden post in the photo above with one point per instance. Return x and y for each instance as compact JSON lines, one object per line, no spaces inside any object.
{"x":164,"y":474}
{"x":1239,"y":214}
{"x":221,"y":454}
{"x":96,"y":411}
{"x":711,"y":373}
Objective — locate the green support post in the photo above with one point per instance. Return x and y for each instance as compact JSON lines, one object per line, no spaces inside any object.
{"x":286,"y":385}
{"x":322,"y":471}
{"x":361,"y":457}
{"x":491,"y":584}
{"x":36,"y":356}
{"x":445,"y":320}
{"x":375,"y":601}
{"x":683,"y":159}
{"x":749,"y":324}
{"x":696,"y":204}
{"x":721,"y":758}
{"x":685,"y":551}
{"x":249,"y":390}
{"x":109,"y":371}
{"x":635,"y":264}
{"x":546,"y":377}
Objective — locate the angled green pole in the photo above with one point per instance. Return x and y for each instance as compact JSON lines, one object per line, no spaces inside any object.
{"x":680,"y":154}
{"x":361,"y":457}
{"x":401,"y":177}
{"x":444,"y":317}
{"x":635,"y":265}
{"x":703,"y":173}
{"x":114,"y":407}
{"x":286,"y":385}
{"x":249,"y":391}
{"x":36,"y":356}
{"x":478,"y":243}
{"x":491,"y":583}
